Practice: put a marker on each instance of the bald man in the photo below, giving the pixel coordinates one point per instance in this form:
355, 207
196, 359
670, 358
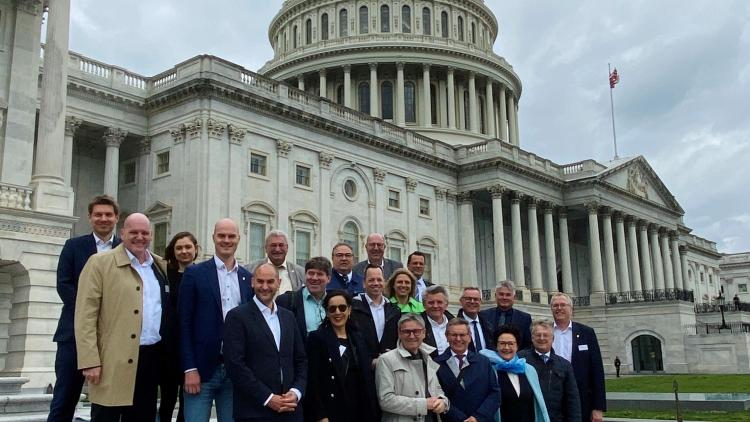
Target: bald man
375, 247
120, 315
209, 290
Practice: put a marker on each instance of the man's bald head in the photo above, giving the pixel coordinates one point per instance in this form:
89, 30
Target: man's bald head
226, 224
226, 238
136, 235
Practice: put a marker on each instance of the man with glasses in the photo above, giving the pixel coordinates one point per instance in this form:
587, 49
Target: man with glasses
556, 375
375, 246
480, 329
342, 276
307, 303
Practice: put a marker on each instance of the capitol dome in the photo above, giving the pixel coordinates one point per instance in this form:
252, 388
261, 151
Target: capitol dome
424, 65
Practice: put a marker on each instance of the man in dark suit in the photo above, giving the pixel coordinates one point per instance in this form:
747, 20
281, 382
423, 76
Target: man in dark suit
375, 246
504, 313
103, 216
376, 317
416, 264
556, 376
208, 292
436, 317
481, 335
467, 378
265, 355
342, 276
307, 303
578, 344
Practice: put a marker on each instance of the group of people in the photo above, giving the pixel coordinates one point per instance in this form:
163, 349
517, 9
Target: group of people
331, 341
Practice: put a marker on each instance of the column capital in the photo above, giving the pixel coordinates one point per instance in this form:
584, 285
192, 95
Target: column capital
606, 212
516, 197
400, 66
618, 216
683, 250
562, 212
497, 191
673, 235
592, 207
464, 197
114, 136
144, 145
193, 128
326, 158
379, 175
33, 7
451, 196
411, 184
300, 78
283, 147
440, 194
347, 67
451, 69
373, 66
322, 71
653, 229
236, 134
643, 224
472, 75
71, 125
532, 201
426, 67
548, 207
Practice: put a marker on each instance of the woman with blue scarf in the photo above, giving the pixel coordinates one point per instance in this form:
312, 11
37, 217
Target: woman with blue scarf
520, 394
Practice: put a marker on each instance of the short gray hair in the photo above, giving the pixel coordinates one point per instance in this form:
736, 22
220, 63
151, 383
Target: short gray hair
542, 322
410, 317
506, 284
562, 295
435, 289
277, 233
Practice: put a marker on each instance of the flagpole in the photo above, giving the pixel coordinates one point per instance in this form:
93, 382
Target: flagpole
612, 109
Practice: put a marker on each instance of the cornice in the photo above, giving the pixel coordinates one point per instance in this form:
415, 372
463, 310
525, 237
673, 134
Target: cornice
90, 94
504, 163
598, 184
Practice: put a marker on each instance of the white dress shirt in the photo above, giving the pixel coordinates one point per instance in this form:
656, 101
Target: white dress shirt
229, 286
151, 321
103, 245
515, 382
378, 314
438, 330
563, 342
471, 322
421, 287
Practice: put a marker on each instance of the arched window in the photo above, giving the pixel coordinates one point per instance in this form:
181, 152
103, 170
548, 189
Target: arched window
473, 33
340, 94
460, 28
343, 23
426, 21
444, 24
410, 105
406, 20
467, 114
350, 236
294, 37
363, 19
386, 97
324, 26
308, 31
385, 19
433, 104
364, 97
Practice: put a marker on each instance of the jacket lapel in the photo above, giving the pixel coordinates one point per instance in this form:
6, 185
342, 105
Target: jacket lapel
213, 281
260, 321
243, 279
332, 344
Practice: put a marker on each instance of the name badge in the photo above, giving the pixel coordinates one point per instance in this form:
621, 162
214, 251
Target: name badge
582, 347
166, 288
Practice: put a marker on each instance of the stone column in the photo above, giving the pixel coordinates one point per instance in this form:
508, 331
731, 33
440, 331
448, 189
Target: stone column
490, 108
609, 251
648, 275
347, 86
426, 100
503, 114
498, 231
534, 253
381, 201
323, 84
468, 248
283, 148
400, 105
597, 276
71, 125
549, 242
515, 119
622, 253
51, 194
412, 211
666, 260
517, 238
374, 109
301, 82
474, 120
327, 241
567, 273
451, 99
144, 176
113, 138
676, 266
653, 232
453, 238
686, 278
635, 263
512, 119
444, 257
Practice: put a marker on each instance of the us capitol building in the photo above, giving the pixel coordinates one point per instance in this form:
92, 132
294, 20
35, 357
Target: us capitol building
391, 116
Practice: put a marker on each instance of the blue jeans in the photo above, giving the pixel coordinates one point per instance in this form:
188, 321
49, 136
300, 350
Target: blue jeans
216, 390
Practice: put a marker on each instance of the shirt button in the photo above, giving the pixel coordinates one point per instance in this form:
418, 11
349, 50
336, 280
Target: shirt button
130, 360
135, 311
332, 377
138, 288
132, 336
332, 395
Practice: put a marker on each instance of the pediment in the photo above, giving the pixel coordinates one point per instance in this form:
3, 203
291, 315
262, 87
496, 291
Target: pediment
636, 177
158, 208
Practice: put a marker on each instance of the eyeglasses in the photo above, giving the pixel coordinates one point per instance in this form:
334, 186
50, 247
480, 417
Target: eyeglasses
506, 343
471, 299
560, 305
341, 308
415, 332
343, 255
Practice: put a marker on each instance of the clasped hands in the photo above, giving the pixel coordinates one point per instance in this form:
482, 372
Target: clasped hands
286, 402
435, 405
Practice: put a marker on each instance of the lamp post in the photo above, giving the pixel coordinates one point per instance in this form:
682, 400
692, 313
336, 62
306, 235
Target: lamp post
724, 325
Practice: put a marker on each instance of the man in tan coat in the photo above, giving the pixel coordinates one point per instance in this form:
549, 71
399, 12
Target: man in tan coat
120, 311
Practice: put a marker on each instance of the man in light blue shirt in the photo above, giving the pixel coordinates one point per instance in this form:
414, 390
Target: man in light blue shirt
306, 304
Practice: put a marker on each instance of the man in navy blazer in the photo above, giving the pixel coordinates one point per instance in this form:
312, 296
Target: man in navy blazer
505, 313
209, 290
103, 216
467, 378
265, 355
481, 336
578, 344
342, 276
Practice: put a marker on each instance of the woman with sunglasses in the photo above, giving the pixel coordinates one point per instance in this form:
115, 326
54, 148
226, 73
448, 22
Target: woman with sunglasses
521, 398
341, 385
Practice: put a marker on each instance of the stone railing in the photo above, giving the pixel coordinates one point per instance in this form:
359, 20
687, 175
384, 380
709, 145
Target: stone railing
717, 328
707, 308
581, 168
16, 197
700, 242
658, 295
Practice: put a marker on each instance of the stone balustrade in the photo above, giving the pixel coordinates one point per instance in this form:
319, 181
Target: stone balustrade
16, 197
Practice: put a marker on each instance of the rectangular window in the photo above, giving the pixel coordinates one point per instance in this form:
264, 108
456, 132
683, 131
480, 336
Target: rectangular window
394, 199
302, 247
394, 253
424, 207
742, 288
162, 163
303, 175
257, 239
128, 173
160, 238
427, 266
258, 164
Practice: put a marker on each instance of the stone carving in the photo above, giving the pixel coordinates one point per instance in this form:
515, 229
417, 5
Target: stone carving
379, 175
411, 184
592, 207
215, 128
463, 197
440, 193
71, 125
283, 147
33, 7
236, 134
114, 136
178, 134
451, 196
193, 128
637, 182
326, 158
35, 229
516, 197
496, 191
145, 145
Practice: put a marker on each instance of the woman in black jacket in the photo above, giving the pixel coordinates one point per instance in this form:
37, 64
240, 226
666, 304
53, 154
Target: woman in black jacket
341, 383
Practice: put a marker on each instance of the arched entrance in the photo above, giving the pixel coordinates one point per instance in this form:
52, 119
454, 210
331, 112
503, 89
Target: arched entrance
647, 355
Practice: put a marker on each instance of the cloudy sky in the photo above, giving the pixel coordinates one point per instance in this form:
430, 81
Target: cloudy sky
683, 101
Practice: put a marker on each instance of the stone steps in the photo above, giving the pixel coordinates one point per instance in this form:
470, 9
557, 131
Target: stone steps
11, 385
28, 417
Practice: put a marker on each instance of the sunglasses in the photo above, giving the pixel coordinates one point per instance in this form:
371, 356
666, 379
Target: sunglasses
341, 308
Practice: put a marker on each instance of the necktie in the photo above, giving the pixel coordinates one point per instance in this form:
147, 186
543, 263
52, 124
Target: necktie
477, 339
501, 320
460, 361
545, 358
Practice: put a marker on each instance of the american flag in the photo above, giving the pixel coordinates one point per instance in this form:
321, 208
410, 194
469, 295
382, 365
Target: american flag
614, 78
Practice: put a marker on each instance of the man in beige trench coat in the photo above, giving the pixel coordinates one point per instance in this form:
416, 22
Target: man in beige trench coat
118, 326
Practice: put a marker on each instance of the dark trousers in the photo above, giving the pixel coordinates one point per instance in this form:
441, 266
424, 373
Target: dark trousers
169, 394
617, 368
144, 397
68, 383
